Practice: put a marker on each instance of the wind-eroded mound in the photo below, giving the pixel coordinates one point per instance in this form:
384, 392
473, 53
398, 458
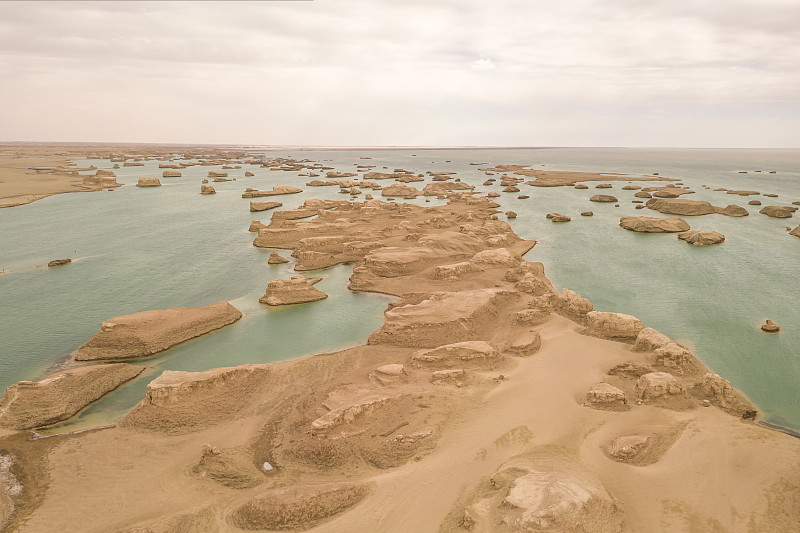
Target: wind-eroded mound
297, 508
149, 332
543, 492
179, 402
232, 468
442, 317
59, 396
778, 211
702, 237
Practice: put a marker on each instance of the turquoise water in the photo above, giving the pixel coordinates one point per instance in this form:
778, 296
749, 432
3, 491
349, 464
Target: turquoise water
158, 248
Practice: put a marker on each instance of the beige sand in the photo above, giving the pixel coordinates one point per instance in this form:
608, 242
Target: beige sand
464, 412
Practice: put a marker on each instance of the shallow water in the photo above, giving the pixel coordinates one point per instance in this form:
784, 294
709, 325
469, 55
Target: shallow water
158, 248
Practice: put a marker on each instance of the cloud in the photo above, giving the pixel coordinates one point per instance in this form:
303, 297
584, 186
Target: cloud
576, 72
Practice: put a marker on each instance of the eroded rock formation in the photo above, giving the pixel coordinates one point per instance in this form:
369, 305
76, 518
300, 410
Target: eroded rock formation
149, 332
59, 396
296, 290
654, 225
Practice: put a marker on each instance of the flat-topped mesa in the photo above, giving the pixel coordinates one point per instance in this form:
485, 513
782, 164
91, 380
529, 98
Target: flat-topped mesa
148, 181
170, 174
208, 189
682, 207
181, 402
102, 179
277, 190
59, 396
149, 332
296, 290
657, 384
654, 225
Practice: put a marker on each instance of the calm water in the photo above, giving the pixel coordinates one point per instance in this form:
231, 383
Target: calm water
158, 248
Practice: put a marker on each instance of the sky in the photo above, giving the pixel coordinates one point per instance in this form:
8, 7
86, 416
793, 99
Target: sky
655, 73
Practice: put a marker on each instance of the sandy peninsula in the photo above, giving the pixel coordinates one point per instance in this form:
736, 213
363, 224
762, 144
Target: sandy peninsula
487, 401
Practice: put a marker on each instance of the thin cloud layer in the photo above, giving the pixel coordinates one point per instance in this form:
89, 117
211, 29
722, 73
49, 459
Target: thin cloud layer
380, 72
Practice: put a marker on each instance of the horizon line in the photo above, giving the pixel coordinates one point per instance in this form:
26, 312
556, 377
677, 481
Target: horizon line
320, 147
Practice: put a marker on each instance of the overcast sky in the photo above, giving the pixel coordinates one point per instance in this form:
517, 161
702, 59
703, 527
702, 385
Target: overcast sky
694, 73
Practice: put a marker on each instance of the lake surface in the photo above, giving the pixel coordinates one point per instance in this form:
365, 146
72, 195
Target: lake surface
136, 249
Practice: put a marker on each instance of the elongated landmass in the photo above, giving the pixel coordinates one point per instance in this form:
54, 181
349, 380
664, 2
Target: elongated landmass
487, 401
561, 178
59, 396
693, 208
654, 225
149, 332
